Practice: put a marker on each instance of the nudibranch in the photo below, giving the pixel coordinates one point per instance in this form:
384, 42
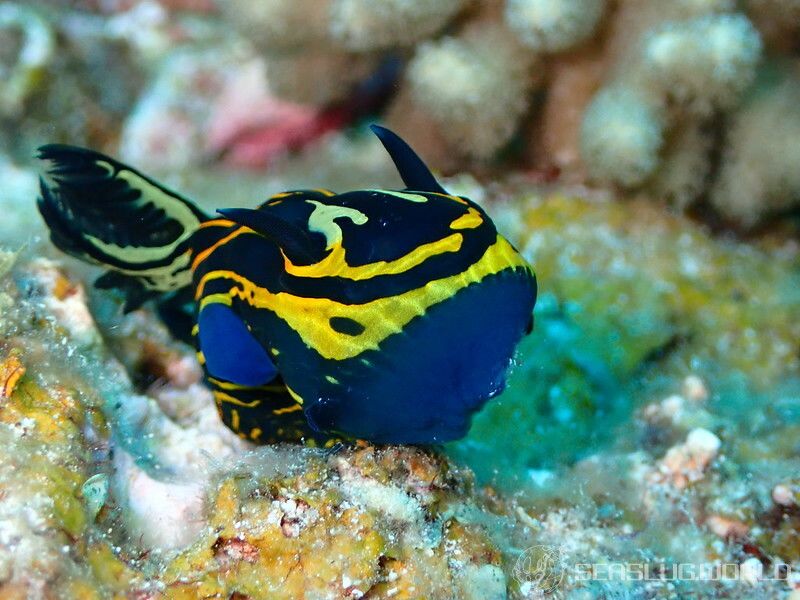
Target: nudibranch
389, 316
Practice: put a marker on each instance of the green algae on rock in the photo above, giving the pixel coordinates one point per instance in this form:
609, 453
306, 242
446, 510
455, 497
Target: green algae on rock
44, 462
632, 299
279, 522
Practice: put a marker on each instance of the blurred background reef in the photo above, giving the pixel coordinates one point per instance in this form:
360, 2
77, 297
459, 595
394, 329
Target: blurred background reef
644, 155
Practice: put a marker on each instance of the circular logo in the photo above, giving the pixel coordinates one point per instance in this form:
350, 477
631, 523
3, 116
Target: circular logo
540, 567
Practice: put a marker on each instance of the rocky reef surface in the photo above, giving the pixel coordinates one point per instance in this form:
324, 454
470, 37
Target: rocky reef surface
112, 493
652, 419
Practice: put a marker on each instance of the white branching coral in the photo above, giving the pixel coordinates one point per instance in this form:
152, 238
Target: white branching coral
621, 136
760, 172
685, 165
553, 25
474, 86
682, 64
706, 62
279, 24
368, 25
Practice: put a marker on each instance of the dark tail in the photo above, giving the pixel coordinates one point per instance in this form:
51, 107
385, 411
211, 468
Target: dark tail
107, 213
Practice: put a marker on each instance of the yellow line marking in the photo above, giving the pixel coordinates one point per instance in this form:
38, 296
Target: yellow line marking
226, 385
335, 263
220, 298
310, 317
294, 395
217, 223
450, 197
205, 253
470, 220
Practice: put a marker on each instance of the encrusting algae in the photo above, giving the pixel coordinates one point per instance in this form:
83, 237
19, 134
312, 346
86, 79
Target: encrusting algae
44, 463
674, 301
368, 523
279, 522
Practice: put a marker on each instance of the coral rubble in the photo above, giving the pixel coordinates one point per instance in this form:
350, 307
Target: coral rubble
362, 524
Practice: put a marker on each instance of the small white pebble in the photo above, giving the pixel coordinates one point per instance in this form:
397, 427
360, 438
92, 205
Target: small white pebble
695, 389
782, 495
672, 406
751, 571
702, 442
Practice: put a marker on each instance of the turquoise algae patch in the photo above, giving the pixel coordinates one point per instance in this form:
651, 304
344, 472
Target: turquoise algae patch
632, 301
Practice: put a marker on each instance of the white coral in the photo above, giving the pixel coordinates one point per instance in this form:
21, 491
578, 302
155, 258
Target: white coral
686, 164
368, 25
279, 24
705, 62
553, 25
162, 514
760, 173
621, 136
474, 86
166, 128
